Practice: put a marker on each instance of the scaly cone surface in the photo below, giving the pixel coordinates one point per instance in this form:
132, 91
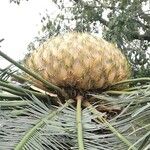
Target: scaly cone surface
79, 60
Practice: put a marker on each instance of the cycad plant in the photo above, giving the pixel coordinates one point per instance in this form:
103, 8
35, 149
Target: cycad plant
73, 92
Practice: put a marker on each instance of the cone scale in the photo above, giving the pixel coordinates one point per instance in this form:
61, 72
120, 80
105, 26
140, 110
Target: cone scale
78, 60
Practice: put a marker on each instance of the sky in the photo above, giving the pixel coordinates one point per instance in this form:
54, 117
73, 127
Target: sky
19, 24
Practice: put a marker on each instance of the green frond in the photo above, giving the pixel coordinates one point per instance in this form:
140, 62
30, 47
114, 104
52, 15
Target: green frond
31, 120
30, 127
60, 132
33, 74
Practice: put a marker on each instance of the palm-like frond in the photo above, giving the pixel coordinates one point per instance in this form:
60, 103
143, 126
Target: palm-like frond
40, 127
28, 121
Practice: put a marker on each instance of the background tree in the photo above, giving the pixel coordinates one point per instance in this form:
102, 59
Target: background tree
29, 118
125, 22
16, 1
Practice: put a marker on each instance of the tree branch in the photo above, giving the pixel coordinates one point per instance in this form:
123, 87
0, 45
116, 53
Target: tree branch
141, 36
1, 40
103, 21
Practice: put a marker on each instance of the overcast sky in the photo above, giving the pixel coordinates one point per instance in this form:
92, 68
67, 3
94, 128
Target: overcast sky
19, 24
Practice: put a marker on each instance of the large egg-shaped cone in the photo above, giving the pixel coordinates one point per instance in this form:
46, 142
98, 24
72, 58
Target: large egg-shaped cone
78, 60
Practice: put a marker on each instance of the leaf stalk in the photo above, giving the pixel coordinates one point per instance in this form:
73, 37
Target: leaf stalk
79, 123
40, 124
33, 74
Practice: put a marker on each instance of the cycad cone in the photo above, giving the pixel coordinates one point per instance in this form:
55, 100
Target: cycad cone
78, 60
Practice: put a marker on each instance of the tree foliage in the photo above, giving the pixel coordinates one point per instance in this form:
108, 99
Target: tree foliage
34, 119
125, 22
16, 1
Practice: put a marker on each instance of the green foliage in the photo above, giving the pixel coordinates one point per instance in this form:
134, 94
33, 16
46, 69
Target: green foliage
123, 22
31, 120
16, 1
